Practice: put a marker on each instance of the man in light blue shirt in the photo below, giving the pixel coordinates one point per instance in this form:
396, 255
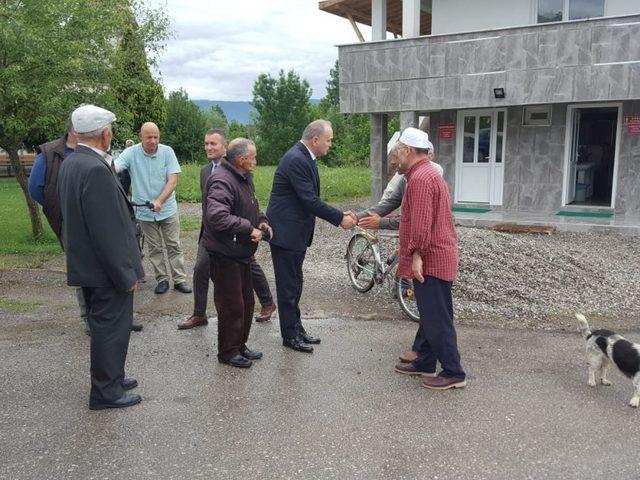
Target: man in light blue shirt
154, 170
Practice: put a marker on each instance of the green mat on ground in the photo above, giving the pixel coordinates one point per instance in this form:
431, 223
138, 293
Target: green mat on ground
564, 213
471, 210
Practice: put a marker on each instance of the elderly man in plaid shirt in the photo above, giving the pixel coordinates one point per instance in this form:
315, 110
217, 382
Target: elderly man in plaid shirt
429, 256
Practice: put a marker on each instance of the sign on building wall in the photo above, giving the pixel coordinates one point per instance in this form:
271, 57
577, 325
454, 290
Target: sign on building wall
446, 131
632, 124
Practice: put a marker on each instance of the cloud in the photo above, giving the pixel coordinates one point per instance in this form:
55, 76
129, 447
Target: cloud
220, 48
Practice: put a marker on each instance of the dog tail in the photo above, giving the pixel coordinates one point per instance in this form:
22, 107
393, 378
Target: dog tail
583, 326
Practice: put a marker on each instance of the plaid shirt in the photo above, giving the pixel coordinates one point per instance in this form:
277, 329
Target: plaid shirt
427, 225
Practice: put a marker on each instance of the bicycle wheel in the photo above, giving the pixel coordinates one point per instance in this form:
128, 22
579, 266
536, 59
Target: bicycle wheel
360, 263
407, 298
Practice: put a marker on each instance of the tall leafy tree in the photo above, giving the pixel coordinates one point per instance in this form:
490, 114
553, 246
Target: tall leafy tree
136, 96
55, 54
215, 118
185, 127
282, 106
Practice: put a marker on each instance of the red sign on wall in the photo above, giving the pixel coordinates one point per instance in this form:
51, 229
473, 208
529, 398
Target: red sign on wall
632, 123
446, 131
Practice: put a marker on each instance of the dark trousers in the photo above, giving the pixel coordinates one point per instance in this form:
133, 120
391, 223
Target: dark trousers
202, 274
233, 297
287, 266
436, 340
110, 315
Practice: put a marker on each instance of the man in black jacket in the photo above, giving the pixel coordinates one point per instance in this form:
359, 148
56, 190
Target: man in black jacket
98, 233
293, 207
233, 226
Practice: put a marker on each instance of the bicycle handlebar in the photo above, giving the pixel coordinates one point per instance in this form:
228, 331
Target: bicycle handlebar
147, 204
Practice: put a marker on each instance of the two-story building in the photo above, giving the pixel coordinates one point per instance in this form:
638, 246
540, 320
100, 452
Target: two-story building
532, 105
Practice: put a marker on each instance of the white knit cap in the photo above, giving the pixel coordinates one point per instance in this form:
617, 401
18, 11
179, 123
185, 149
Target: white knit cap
89, 118
414, 137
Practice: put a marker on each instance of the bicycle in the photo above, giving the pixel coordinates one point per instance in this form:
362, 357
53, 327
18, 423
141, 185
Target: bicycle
367, 268
139, 232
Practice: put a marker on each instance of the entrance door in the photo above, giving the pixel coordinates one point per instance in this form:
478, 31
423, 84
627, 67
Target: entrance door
480, 153
590, 173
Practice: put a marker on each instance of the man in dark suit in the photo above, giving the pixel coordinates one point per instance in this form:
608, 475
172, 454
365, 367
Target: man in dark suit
215, 147
293, 207
99, 237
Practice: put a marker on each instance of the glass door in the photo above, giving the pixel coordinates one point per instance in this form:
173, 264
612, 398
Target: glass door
481, 141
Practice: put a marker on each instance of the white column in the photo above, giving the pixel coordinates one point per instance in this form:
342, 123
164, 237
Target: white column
410, 18
379, 20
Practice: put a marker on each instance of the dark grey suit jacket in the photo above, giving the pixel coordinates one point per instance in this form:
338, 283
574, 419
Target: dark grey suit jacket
295, 201
98, 229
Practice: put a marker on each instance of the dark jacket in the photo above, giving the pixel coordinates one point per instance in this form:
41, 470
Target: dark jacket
295, 202
98, 228
205, 173
54, 153
231, 214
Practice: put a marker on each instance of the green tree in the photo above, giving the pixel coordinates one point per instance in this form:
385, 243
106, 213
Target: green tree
283, 110
215, 117
55, 54
185, 127
136, 96
235, 129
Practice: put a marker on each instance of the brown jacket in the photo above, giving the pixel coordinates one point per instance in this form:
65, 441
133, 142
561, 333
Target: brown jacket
231, 212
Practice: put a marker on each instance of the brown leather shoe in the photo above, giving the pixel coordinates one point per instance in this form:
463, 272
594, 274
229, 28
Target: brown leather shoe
266, 312
409, 369
408, 357
444, 383
193, 321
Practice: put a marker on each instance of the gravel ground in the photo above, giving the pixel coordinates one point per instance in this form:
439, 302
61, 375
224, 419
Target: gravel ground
532, 281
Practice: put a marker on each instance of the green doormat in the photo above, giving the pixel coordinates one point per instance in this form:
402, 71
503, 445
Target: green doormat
471, 210
564, 213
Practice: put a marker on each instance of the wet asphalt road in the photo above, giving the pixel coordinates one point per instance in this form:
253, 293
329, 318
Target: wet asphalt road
341, 412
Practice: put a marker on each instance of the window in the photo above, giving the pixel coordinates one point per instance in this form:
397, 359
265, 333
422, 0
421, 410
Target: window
550, 10
558, 10
538, 115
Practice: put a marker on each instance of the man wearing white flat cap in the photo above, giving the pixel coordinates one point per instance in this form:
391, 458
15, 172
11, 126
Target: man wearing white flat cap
429, 257
98, 232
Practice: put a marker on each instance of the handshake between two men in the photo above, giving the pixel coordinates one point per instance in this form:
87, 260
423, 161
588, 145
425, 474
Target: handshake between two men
368, 220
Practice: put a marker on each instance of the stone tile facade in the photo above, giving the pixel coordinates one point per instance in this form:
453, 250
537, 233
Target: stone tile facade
586, 60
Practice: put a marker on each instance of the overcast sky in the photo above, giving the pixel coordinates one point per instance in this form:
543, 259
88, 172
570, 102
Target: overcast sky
220, 47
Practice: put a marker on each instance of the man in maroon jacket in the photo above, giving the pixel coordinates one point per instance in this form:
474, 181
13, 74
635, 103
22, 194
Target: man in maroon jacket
233, 226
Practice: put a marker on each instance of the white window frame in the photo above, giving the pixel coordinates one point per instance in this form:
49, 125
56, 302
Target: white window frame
565, 11
527, 109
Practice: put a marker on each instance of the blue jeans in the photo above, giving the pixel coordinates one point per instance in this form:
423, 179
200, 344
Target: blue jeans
436, 340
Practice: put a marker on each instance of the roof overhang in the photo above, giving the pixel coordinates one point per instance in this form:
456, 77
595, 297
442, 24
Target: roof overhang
360, 12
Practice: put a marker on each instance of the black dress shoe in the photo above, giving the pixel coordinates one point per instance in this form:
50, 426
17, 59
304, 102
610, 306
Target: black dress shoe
237, 361
296, 344
136, 327
309, 339
125, 400
183, 287
129, 383
252, 354
162, 287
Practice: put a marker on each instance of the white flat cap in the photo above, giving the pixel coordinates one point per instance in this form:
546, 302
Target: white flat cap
89, 118
414, 137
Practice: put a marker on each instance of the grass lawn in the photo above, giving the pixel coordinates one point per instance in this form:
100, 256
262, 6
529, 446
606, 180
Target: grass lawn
338, 185
15, 227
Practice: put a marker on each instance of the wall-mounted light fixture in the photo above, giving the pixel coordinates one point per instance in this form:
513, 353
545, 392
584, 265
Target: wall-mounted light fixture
498, 92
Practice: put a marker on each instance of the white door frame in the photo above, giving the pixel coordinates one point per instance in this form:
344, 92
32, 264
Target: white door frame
567, 151
493, 142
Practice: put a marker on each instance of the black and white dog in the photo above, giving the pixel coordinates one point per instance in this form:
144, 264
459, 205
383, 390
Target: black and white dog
605, 346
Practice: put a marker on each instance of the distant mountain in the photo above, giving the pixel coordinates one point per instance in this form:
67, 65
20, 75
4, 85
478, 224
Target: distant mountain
238, 111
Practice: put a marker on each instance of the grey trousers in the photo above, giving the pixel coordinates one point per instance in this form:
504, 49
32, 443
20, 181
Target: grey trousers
202, 273
160, 236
